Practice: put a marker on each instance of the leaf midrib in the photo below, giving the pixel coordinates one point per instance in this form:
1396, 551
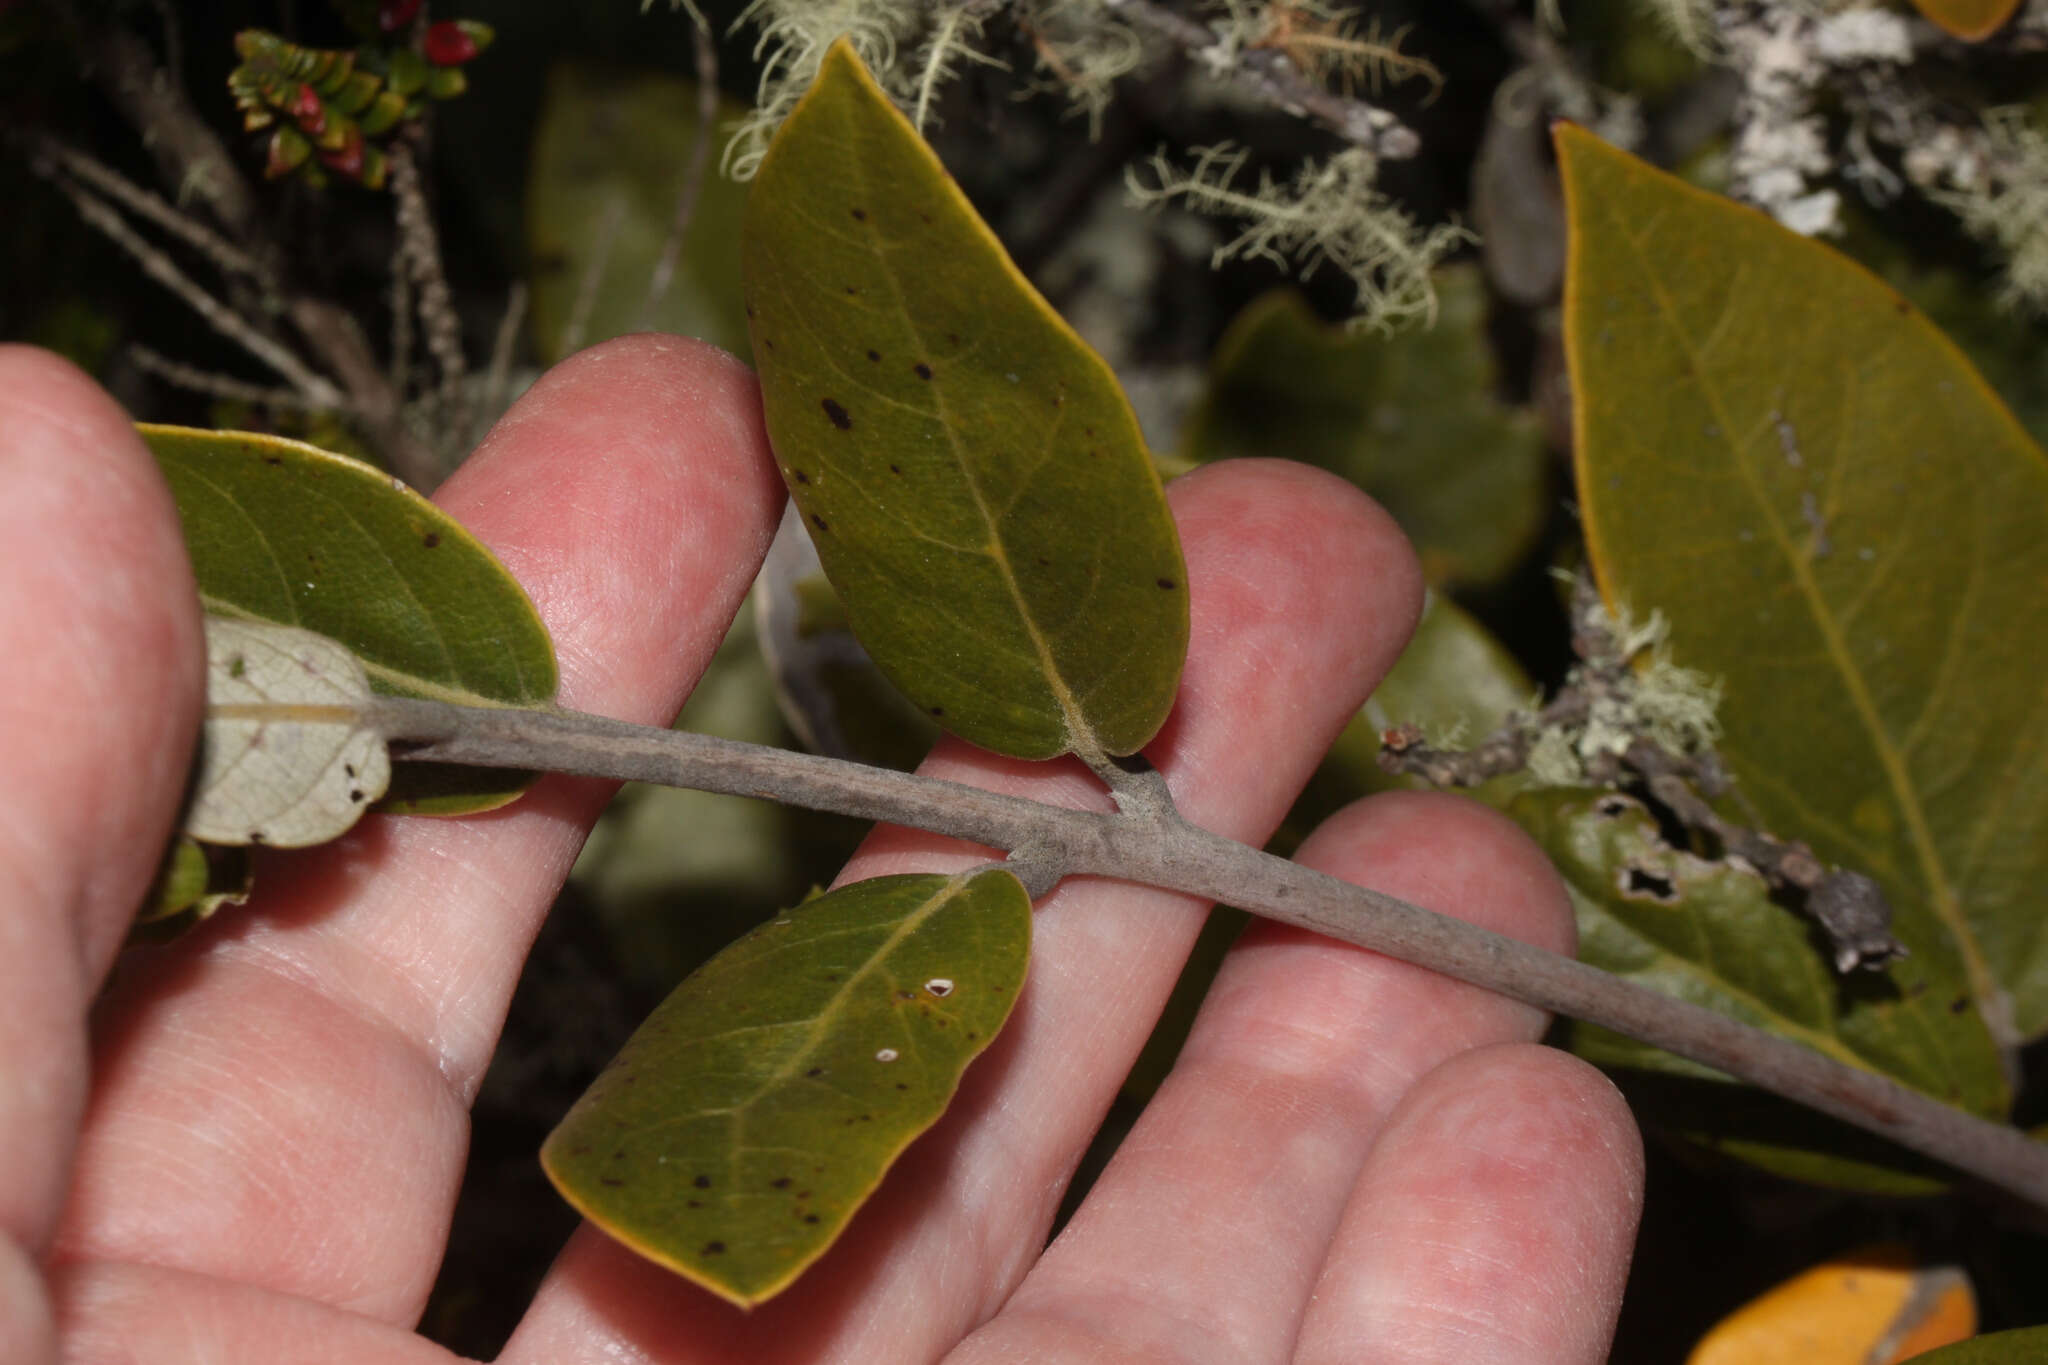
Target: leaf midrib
1080, 734
1983, 986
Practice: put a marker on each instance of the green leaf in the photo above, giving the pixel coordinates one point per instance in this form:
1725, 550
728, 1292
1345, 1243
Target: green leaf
1843, 525
608, 162
1708, 932
736, 1133
194, 881
975, 482
1412, 419
285, 758
287, 533
2022, 1346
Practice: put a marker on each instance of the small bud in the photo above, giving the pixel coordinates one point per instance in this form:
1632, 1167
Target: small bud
449, 44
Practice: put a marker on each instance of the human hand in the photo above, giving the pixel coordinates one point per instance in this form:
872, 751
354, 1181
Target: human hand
1354, 1159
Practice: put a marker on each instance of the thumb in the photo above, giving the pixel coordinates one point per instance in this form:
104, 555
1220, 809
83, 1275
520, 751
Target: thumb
101, 640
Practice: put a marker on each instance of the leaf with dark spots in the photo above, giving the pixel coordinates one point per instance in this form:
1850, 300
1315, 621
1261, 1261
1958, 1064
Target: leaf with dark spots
967, 469
731, 1110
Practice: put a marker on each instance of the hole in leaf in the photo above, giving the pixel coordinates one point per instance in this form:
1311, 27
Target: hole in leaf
1641, 884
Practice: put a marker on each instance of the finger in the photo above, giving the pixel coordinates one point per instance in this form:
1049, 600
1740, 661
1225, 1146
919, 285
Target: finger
1302, 593
101, 635
1203, 1238
284, 1093
1492, 1222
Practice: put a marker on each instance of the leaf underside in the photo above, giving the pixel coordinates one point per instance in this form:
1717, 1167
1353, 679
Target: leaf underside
974, 480
283, 532
740, 1128
285, 759
1841, 523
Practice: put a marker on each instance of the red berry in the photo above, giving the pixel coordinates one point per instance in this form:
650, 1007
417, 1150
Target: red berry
393, 15
448, 45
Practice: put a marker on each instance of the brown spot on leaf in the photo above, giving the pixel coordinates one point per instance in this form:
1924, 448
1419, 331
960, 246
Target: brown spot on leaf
860, 215
924, 371
1167, 583
810, 1218
780, 1182
800, 476
431, 539
702, 1182
613, 1181
714, 1248
819, 522
837, 414
815, 1071
874, 355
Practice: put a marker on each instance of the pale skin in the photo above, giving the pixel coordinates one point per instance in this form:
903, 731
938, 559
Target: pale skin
246, 1146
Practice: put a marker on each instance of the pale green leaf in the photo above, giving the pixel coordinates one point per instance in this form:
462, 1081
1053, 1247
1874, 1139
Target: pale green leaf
972, 476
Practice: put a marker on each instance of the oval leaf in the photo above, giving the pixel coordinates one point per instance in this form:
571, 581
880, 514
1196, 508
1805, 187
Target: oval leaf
975, 482
284, 758
736, 1133
1709, 932
1412, 419
287, 533
1845, 527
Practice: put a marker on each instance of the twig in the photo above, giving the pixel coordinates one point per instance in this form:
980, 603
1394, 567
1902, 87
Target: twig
1168, 853
152, 206
1270, 76
585, 302
705, 47
498, 378
311, 388
190, 156
1850, 908
217, 385
419, 255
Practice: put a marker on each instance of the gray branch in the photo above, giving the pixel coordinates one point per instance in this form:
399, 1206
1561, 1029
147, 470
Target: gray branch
1163, 851
1271, 78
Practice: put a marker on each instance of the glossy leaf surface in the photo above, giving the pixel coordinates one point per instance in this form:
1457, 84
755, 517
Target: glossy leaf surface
608, 162
287, 533
973, 478
736, 1133
1709, 933
285, 759
1412, 419
1845, 527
